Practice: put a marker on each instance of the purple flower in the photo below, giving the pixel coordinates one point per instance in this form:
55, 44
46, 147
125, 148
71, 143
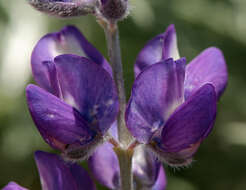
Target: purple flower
78, 102
64, 8
67, 41
57, 174
173, 106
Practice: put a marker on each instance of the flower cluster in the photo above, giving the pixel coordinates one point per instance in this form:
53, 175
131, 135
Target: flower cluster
171, 110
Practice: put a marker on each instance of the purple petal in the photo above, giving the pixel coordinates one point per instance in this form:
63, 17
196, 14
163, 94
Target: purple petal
64, 8
105, 166
52, 74
170, 47
145, 166
13, 186
58, 123
56, 174
208, 67
188, 126
161, 181
192, 121
161, 47
104, 2
68, 40
89, 88
156, 93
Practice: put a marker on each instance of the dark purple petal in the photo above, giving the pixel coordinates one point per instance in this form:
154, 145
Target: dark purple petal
68, 40
64, 8
156, 93
52, 74
105, 166
145, 166
188, 126
104, 2
159, 48
161, 181
13, 186
89, 88
58, 123
56, 174
208, 67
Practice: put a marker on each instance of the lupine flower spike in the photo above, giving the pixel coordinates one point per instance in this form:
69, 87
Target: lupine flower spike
79, 102
171, 111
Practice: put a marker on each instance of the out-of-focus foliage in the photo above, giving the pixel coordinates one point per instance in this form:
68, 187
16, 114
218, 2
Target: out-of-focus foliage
221, 160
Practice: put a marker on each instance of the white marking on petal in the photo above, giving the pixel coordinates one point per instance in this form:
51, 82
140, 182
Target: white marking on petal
155, 126
109, 102
94, 110
68, 98
51, 116
174, 52
69, 45
172, 108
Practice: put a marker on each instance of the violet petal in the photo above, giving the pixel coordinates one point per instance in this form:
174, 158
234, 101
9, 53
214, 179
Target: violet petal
13, 186
161, 181
161, 47
145, 166
105, 166
208, 67
57, 174
191, 122
68, 40
156, 93
52, 76
89, 88
58, 123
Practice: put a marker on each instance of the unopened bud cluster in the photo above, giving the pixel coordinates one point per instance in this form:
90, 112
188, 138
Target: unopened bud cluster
114, 9
111, 10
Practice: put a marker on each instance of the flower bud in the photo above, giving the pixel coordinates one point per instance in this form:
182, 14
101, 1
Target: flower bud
64, 8
114, 9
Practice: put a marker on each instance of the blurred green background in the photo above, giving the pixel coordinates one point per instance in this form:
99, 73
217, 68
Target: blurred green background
221, 160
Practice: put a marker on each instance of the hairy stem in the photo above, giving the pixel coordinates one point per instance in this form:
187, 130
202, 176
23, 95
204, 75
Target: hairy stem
114, 51
124, 154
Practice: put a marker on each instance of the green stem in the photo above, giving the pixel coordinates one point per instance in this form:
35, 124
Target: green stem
125, 162
114, 51
124, 154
